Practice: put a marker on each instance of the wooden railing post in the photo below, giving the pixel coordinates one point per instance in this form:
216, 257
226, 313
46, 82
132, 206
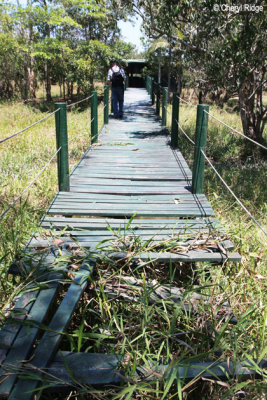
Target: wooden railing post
175, 120
152, 93
62, 144
164, 105
200, 143
157, 98
94, 124
106, 104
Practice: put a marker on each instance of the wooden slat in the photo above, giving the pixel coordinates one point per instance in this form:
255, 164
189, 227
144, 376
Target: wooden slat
49, 343
129, 213
101, 369
25, 339
144, 224
124, 182
12, 326
167, 197
213, 254
22, 308
128, 191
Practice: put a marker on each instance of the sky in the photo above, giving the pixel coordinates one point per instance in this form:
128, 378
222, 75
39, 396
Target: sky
132, 34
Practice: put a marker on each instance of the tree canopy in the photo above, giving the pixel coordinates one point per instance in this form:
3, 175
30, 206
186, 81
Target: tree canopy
223, 46
69, 42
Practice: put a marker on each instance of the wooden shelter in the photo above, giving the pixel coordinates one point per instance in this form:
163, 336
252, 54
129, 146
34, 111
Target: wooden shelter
134, 71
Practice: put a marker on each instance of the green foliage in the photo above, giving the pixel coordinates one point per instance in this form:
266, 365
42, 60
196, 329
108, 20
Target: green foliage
223, 50
143, 332
70, 42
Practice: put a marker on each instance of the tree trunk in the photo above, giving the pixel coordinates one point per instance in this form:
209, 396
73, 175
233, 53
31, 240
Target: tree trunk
169, 74
47, 65
30, 68
180, 81
26, 81
64, 91
159, 68
200, 95
252, 112
48, 82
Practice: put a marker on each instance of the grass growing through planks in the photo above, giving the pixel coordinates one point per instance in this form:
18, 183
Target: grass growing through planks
147, 333
126, 312
22, 158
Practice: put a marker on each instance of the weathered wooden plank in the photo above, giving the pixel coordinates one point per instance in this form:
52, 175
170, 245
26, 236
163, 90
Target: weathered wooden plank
101, 176
86, 368
128, 200
172, 240
133, 163
166, 197
132, 168
12, 326
25, 339
131, 199
99, 369
123, 182
127, 191
49, 343
144, 224
130, 206
23, 306
129, 288
129, 213
156, 233
190, 256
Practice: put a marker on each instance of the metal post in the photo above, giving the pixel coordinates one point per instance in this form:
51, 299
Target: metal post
157, 98
200, 143
147, 83
152, 91
62, 144
94, 125
164, 105
106, 104
127, 82
175, 120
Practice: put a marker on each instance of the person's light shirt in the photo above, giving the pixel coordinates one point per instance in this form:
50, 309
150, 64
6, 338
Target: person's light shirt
116, 69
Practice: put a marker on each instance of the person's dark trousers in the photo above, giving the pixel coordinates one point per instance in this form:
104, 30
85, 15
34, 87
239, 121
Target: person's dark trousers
117, 100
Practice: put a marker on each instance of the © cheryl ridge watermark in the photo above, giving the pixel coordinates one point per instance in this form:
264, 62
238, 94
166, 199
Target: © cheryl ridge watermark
238, 8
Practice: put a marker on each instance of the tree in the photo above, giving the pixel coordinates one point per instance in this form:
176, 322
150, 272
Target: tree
70, 42
224, 49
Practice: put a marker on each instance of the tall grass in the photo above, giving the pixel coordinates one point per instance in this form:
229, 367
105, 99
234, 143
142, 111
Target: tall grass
143, 332
22, 157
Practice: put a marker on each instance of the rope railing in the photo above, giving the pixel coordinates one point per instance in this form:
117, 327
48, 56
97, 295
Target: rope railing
236, 131
30, 184
233, 194
62, 141
199, 143
184, 101
28, 127
180, 127
80, 101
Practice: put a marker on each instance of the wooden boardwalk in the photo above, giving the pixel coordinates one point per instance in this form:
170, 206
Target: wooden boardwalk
132, 170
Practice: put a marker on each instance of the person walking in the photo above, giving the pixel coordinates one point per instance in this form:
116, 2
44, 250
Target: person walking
116, 79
